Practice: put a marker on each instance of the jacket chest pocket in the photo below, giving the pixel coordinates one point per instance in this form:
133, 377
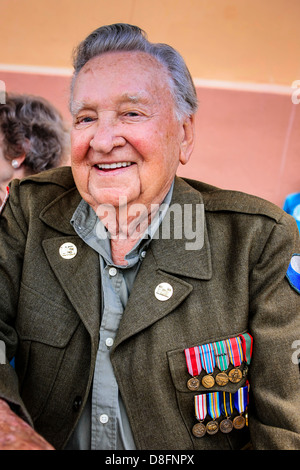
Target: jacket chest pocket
212, 392
44, 331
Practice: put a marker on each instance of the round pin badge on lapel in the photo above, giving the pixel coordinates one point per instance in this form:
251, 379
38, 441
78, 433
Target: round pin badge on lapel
68, 250
163, 291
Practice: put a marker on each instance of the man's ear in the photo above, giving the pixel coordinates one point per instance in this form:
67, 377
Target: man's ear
187, 143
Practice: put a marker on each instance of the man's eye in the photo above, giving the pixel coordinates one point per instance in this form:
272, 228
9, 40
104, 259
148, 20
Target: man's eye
132, 114
80, 121
86, 119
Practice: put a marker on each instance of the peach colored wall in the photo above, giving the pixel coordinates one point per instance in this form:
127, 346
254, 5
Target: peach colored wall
248, 141
237, 40
247, 136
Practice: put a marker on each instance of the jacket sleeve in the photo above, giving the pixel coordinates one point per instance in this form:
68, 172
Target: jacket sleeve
274, 419
13, 229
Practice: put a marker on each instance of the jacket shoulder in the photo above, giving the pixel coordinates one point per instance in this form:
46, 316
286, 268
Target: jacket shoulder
216, 200
61, 176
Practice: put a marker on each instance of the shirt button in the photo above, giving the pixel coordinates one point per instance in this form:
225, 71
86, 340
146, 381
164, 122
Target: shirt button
103, 419
143, 254
112, 271
109, 342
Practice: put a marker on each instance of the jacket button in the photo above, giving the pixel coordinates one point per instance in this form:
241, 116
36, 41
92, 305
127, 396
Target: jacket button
77, 403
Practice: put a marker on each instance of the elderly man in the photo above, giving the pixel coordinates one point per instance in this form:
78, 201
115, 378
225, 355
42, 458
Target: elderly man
127, 332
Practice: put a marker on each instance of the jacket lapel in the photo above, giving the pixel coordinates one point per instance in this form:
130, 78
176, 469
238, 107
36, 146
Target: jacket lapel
167, 261
80, 275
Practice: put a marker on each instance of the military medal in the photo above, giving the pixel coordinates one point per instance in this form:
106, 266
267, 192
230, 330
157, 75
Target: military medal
235, 352
235, 375
199, 429
222, 362
214, 410
241, 398
193, 362
208, 363
226, 425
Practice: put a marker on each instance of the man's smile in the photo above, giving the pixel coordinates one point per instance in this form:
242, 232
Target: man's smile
108, 167
113, 166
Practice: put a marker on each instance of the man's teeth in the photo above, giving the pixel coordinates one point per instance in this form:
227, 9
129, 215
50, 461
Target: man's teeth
111, 166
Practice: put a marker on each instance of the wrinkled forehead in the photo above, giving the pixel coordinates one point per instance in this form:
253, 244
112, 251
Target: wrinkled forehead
126, 68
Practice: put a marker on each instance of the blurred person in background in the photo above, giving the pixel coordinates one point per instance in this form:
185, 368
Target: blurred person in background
33, 138
292, 206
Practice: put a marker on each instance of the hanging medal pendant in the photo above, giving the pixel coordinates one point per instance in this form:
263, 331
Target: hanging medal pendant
235, 375
239, 422
222, 379
192, 357
212, 427
241, 399
208, 364
226, 425
208, 381
199, 429
193, 384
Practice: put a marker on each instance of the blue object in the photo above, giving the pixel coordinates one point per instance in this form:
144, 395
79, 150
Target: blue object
292, 206
293, 272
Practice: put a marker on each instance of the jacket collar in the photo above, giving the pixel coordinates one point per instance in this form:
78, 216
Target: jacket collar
186, 252
59, 212
173, 252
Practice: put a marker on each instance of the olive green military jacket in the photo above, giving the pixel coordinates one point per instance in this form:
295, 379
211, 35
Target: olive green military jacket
236, 283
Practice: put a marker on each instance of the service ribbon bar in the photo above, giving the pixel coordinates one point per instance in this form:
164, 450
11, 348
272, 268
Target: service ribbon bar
207, 357
221, 355
247, 345
213, 405
193, 361
241, 398
200, 406
226, 403
235, 351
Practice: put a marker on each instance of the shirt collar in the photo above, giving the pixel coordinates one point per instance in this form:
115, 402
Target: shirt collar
92, 231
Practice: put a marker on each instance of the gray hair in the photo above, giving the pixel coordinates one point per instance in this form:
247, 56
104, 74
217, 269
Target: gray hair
125, 37
31, 125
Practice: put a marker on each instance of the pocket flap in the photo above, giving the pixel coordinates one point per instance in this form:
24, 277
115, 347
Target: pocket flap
40, 319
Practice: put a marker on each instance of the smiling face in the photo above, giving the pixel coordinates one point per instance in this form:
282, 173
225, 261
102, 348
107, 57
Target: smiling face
126, 139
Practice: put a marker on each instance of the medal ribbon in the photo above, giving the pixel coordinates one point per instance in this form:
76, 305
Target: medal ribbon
193, 362
247, 343
213, 405
235, 351
200, 406
207, 357
221, 355
226, 403
241, 398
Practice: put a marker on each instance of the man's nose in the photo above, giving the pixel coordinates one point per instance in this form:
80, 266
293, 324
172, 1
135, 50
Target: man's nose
107, 136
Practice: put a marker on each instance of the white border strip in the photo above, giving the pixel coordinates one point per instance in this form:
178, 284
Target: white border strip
243, 86
36, 69
199, 82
